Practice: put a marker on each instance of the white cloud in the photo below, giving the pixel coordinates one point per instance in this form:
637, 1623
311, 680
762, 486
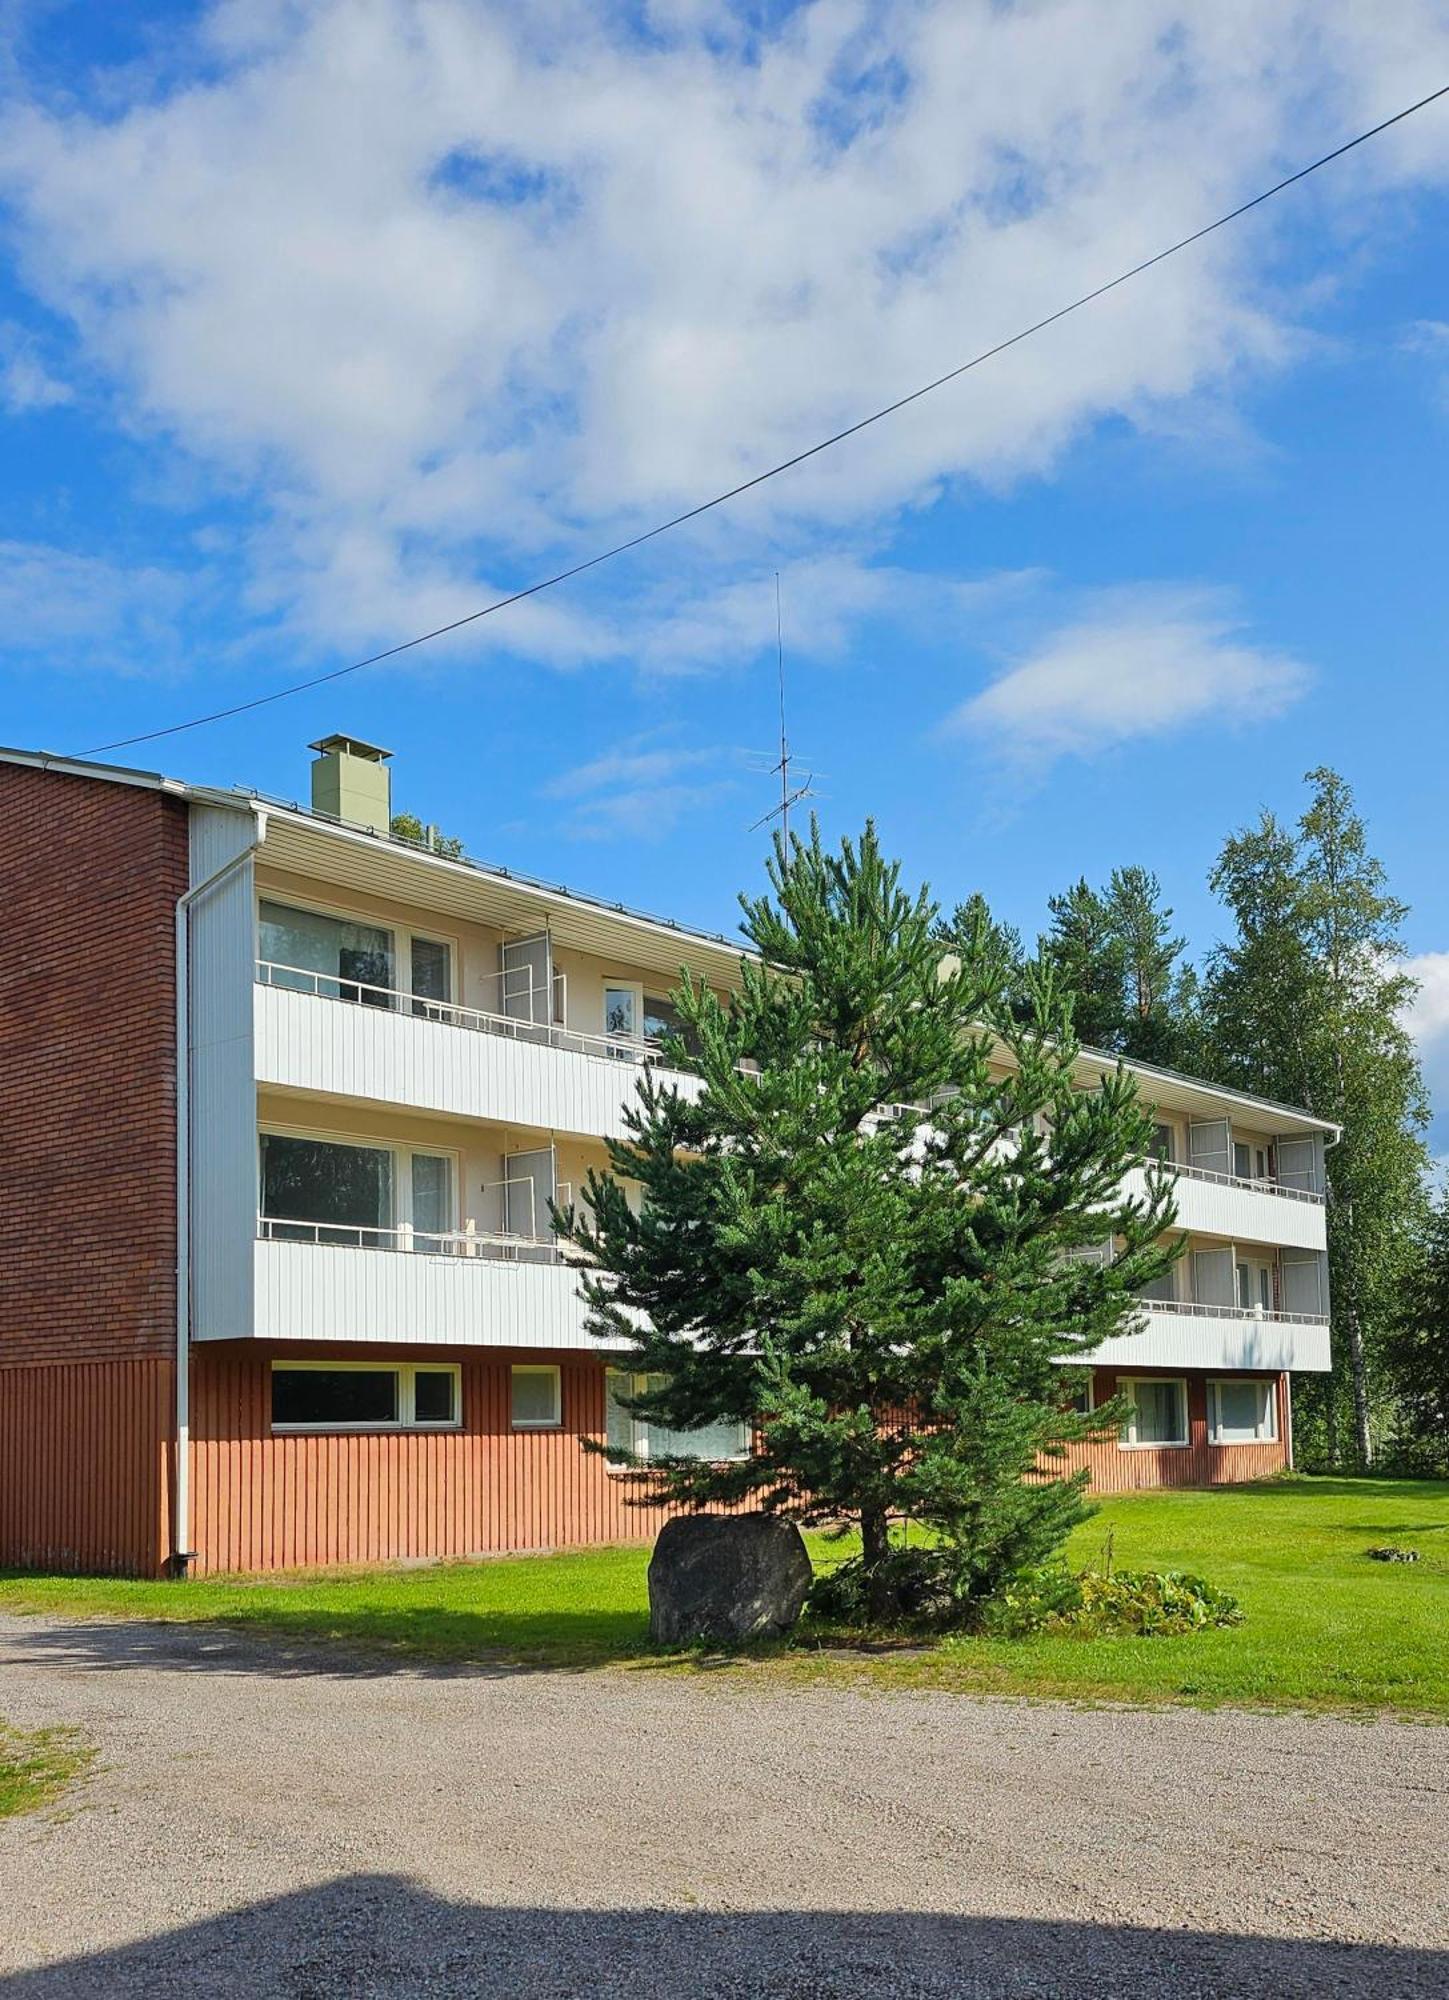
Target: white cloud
26, 383
461, 285
1134, 664
643, 787
59, 609
1427, 1020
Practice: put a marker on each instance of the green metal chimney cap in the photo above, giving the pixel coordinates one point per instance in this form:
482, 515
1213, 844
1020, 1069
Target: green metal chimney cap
352, 746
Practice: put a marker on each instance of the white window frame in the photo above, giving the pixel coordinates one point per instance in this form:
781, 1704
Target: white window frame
622, 982
406, 1371
1269, 1388
402, 936
402, 1176
550, 1368
639, 1428
1129, 1441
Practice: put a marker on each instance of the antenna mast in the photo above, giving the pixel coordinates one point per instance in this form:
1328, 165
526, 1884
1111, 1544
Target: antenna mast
788, 798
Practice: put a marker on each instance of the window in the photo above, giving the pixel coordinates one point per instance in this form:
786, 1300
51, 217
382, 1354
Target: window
345, 960
1242, 1411
537, 1403
342, 1193
662, 1017
430, 967
1161, 1291
370, 1197
1255, 1287
1158, 1413
730, 1439
622, 1009
1160, 1145
364, 1396
1080, 1402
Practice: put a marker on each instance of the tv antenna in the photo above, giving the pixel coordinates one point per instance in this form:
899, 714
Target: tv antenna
788, 797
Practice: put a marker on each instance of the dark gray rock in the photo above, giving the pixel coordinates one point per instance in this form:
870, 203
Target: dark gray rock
725, 1579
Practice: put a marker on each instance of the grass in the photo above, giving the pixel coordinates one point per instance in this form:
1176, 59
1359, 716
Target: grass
1324, 1628
36, 1766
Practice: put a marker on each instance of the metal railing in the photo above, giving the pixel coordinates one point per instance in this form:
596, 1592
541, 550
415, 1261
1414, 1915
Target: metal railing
636, 1049
1189, 1172
491, 1245
1268, 1315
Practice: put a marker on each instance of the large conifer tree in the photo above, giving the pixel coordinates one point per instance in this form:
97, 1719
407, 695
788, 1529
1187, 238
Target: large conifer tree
884, 1298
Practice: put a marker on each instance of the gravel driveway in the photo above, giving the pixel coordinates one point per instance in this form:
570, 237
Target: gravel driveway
268, 1821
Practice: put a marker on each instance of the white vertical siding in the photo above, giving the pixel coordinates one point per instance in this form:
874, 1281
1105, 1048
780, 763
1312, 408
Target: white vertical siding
1204, 1340
1242, 1214
310, 1291
223, 1086
307, 1043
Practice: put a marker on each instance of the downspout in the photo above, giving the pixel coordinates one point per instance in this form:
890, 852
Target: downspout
182, 1553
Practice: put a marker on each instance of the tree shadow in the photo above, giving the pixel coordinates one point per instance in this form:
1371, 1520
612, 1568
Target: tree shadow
384, 1935
362, 1645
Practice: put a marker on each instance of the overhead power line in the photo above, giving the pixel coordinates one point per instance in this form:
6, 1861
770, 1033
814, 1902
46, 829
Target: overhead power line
785, 464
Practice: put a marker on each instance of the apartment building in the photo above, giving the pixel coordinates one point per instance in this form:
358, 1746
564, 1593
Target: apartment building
296, 1299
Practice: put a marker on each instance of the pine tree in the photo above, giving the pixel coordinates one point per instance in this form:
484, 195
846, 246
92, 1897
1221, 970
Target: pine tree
1157, 997
885, 1300
1305, 1005
1084, 949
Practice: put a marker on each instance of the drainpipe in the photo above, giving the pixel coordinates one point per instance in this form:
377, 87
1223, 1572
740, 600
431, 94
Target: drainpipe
182, 1554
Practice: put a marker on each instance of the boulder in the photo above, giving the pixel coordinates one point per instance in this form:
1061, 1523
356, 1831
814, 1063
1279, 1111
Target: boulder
726, 1579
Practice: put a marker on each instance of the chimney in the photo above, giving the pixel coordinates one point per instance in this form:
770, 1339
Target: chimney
351, 782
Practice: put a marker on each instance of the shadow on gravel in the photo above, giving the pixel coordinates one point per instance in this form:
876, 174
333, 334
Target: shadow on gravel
349, 1648
380, 1935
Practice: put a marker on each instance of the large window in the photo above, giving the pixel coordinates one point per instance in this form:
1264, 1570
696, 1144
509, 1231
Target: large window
1157, 1413
334, 1193
652, 1440
333, 956
1242, 1411
364, 1396
372, 1197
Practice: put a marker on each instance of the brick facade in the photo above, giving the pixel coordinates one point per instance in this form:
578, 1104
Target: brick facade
89, 876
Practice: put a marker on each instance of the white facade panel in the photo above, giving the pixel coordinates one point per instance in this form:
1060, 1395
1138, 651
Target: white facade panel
1243, 1213
306, 1042
308, 1291
1212, 1340
223, 1088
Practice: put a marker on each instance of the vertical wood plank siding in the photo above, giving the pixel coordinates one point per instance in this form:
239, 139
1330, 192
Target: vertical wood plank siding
85, 1452
1197, 1463
278, 1502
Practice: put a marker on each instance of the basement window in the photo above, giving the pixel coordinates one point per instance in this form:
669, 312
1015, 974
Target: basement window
536, 1397
1242, 1411
364, 1396
1158, 1411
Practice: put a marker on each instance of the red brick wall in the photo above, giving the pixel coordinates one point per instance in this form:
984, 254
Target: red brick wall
89, 876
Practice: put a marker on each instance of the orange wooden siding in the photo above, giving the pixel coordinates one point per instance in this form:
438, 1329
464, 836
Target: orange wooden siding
277, 1502
85, 1451
1197, 1463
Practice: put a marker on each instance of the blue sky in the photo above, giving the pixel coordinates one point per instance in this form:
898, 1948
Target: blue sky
320, 324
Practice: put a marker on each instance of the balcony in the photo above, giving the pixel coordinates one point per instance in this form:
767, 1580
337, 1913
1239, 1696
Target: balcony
1246, 1211
458, 1291
1181, 1333
344, 1038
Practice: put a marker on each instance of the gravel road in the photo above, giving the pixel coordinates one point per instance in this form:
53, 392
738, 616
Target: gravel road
271, 1821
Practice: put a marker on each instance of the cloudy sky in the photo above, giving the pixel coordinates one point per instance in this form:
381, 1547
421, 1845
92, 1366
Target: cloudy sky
320, 324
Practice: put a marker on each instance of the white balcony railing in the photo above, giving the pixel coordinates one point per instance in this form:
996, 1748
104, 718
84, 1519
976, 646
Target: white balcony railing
1186, 1171
1193, 1308
495, 1245
636, 1049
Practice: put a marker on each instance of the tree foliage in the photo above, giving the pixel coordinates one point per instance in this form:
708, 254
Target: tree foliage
407, 826
884, 1301
1416, 1352
1305, 1004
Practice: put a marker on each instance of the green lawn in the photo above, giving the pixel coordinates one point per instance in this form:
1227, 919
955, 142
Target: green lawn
36, 1765
1324, 1626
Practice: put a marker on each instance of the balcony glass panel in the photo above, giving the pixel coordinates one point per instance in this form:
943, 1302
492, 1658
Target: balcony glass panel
350, 957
